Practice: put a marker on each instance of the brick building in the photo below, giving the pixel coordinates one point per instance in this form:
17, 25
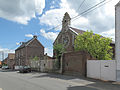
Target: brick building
27, 51
11, 60
68, 34
72, 62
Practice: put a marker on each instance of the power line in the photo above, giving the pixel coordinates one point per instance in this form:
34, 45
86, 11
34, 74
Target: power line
84, 12
91, 10
80, 5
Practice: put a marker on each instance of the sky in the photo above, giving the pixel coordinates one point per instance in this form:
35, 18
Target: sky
21, 19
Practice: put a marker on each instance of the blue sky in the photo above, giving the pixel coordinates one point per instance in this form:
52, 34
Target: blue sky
22, 19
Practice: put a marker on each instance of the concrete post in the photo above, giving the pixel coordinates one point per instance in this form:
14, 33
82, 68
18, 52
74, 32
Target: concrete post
117, 39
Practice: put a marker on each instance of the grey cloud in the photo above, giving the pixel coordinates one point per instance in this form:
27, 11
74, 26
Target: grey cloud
96, 23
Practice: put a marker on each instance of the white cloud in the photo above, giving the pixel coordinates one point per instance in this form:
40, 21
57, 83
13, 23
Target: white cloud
99, 20
17, 43
54, 17
48, 35
109, 33
21, 11
49, 51
28, 35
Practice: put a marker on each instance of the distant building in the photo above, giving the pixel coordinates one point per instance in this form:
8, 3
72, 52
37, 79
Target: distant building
27, 51
0, 62
68, 34
4, 62
11, 60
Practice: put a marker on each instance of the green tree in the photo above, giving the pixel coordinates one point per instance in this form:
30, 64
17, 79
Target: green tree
96, 45
58, 49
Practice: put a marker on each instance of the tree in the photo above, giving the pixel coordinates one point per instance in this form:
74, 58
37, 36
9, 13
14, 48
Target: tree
58, 49
96, 45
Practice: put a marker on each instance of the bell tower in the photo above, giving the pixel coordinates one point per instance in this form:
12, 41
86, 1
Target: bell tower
66, 21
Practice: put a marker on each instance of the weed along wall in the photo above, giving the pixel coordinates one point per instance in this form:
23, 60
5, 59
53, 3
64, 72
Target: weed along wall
102, 69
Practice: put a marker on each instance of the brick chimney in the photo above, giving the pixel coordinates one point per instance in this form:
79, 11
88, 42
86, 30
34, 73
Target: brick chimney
35, 36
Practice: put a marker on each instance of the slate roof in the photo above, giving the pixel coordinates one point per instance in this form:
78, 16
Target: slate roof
24, 44
78, 31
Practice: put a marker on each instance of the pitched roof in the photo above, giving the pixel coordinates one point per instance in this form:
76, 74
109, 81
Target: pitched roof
26, 43
78, 31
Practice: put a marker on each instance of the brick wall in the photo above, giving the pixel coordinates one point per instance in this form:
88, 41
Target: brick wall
75, 63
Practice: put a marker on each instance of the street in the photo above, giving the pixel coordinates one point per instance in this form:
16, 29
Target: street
12, 80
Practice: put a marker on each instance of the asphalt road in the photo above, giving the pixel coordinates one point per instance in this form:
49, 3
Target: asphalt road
12, 80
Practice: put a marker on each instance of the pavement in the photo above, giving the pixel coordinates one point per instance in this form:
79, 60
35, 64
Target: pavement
12, 80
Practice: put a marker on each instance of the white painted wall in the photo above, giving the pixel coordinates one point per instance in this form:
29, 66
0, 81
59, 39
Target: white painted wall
108, 70
16, 67
102, 69
117, 34
93, 69
117, 38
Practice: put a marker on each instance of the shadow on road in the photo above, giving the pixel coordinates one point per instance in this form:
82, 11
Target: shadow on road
7, 70
51, 75
80, 88
95, 85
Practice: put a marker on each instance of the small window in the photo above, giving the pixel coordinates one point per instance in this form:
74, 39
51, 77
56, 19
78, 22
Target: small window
65, 21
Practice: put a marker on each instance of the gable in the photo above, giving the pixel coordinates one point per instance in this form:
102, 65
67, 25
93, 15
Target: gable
35, 43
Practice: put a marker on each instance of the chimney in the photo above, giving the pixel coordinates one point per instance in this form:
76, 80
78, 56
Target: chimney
35, 36
23, 42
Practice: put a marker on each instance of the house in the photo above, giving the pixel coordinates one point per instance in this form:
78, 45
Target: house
68, 34
117, 38
27, 51
11, 60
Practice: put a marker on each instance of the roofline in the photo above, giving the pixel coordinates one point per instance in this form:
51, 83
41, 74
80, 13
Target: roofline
118, 4
57, 37
32, 40
73, 31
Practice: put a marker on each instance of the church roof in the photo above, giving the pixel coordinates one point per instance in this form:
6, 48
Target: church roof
78, 31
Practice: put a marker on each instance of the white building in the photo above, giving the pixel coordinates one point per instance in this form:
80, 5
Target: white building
117, 38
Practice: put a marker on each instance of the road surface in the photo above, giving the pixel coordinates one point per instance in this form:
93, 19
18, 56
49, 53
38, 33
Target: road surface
12, 80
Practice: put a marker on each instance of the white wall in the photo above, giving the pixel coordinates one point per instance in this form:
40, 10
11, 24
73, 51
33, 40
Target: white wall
117, 39
117, 34
93, 69
101, 69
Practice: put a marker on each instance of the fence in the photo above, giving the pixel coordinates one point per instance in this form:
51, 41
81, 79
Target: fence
43, 65
102, 69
